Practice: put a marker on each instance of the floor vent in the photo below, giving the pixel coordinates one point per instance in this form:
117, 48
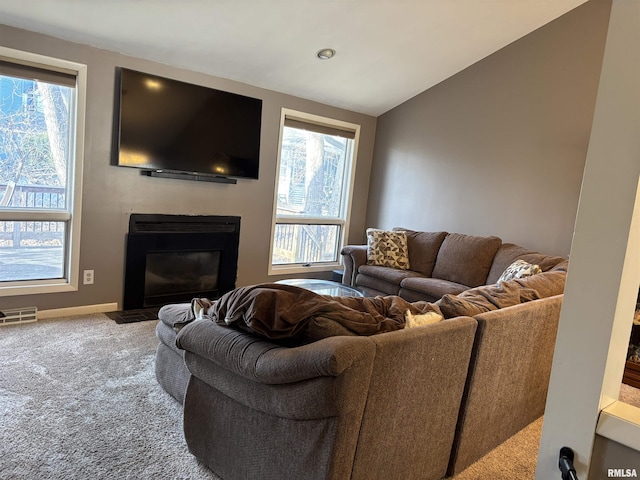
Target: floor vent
18, 315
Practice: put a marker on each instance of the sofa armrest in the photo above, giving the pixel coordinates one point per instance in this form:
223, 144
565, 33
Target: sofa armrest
353, 256
265, 362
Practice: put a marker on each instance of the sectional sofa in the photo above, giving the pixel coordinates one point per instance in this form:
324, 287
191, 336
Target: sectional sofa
438, 263
414, 403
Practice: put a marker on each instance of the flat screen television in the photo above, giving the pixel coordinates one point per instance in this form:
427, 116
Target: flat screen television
164, 125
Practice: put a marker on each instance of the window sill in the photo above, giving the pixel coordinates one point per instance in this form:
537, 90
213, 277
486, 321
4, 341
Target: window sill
35, 288
620, 422
296, 269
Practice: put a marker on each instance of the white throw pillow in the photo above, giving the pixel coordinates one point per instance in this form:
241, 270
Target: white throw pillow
519, 269
420, 319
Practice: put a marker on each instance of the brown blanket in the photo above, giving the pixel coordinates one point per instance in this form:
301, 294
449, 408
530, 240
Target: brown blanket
280, 311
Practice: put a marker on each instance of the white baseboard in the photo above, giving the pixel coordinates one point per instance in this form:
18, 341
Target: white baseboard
81, 310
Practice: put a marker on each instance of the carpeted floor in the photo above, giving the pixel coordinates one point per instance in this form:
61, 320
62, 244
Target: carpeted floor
522, 452
79, 399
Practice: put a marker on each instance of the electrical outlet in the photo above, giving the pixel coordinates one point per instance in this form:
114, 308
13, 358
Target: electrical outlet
88, 277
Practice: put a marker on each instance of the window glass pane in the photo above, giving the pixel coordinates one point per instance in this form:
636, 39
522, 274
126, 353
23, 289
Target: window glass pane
40, 159
311, 173
31, 250
305, 244
35, 123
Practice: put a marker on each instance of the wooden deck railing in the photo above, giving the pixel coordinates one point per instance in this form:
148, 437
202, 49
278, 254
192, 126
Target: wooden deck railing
302, 241
31, 233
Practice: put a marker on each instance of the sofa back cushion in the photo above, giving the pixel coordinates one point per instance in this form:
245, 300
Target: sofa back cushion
546, 262
546, 284
501, 295
423, 249
485, 298
509, 252
465, 259
505, 256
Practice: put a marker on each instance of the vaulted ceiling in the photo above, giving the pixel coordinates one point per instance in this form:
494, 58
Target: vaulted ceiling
387, 50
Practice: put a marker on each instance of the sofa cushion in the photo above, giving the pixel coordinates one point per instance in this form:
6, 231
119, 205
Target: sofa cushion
386, 274
429, 289
546, 262
466, 259
509, 252
563, 266
423, 249
546, 284
387, 249
484, 299
505, 256
519, 269
452, 306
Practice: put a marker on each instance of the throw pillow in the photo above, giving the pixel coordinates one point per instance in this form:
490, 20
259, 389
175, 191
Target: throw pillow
419, 319
387, 249
519, 269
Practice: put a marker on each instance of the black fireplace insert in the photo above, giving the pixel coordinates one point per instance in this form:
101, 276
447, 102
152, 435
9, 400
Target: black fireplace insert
175, 258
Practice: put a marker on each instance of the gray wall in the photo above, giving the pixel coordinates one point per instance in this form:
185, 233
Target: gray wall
498, 149
112, 193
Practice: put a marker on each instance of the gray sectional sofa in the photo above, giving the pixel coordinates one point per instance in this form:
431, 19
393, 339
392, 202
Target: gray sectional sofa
440, 263
414, 403
345, 407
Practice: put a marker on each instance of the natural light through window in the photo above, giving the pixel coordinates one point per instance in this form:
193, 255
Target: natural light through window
313, 192
39, 173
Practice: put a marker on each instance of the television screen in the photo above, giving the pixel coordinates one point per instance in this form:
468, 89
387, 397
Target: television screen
172, 126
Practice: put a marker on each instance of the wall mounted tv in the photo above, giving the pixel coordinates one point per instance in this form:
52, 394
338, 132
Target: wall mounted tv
180, 130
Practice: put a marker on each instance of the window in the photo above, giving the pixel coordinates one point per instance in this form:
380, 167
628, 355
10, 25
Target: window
41, 125
313, 192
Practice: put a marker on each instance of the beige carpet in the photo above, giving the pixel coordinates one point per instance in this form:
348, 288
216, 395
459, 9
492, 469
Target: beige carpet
79, 400
630, 395
522, 452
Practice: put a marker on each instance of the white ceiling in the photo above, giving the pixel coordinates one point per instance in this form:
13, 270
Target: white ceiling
387, 51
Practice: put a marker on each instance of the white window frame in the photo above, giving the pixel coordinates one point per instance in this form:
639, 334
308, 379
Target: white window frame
346, 203
74, 171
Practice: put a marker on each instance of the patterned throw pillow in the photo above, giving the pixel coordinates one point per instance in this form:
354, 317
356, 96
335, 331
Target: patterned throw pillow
519, 269
387, 249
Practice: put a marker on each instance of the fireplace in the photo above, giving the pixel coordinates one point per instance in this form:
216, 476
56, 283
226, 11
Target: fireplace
174, 258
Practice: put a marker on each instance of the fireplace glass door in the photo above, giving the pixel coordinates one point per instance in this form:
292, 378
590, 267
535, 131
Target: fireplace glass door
177, 273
